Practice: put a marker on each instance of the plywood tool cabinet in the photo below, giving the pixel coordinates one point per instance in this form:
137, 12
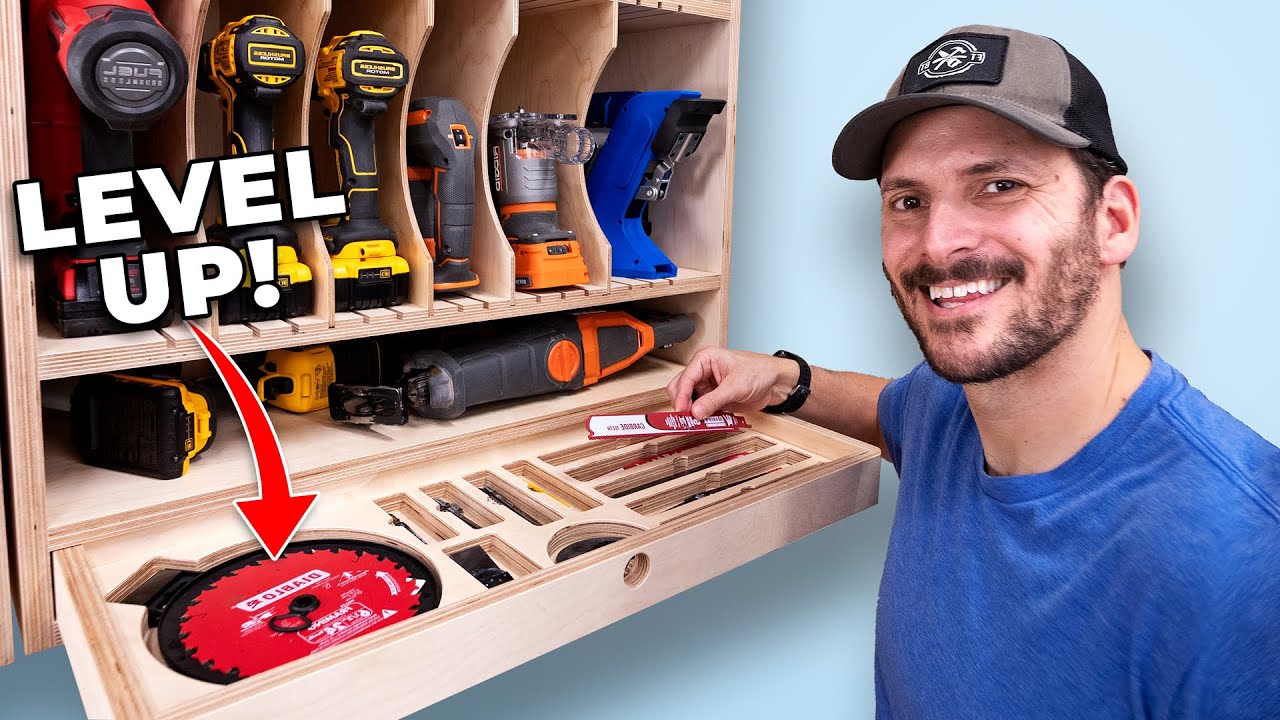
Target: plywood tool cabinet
82, 538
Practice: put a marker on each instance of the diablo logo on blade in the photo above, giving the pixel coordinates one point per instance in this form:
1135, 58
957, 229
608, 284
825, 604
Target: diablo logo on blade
283, 590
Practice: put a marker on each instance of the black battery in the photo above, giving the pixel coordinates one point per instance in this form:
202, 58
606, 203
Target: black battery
372, 288
146, 426
239, 307
75, 306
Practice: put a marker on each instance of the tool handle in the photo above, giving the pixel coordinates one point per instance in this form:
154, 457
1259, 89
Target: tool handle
351, 136
444, 201
251, 127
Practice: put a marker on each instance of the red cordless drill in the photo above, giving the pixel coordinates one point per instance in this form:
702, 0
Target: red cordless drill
96, 72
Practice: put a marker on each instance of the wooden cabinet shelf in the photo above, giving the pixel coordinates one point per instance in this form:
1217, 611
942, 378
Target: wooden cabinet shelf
61, 357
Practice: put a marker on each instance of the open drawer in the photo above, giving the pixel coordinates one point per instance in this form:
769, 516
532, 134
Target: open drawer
632, 521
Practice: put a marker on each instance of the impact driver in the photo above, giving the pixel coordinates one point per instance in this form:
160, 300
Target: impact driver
525, 148
96, 73
248, 64
442, 177
358, 74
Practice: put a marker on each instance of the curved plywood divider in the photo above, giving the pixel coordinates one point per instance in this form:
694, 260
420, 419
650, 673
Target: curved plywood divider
406, 23
464, 59
554, 67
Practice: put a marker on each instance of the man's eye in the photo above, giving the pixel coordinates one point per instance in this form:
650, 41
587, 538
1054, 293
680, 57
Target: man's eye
909, 202
999, 186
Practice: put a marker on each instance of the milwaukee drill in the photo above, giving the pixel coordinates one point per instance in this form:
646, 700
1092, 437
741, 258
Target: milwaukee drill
249, 64
96, 73
358, 74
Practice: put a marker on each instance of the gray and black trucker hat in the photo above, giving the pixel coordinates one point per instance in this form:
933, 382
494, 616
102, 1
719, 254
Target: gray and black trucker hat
1029, 79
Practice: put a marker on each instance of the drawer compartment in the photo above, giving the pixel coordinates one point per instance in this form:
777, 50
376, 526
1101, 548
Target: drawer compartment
508, 589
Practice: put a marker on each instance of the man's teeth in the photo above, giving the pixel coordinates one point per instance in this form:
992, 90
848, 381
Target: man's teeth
981, 287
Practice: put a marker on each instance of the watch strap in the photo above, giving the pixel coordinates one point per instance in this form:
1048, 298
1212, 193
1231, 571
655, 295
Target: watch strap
799, 393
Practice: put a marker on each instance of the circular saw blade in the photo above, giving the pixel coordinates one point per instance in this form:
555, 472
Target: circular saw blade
252, 614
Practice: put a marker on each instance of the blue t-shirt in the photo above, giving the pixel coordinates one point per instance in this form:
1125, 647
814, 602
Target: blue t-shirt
1139, 579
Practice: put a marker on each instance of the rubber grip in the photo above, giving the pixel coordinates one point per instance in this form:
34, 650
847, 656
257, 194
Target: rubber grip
351, 137
252, 130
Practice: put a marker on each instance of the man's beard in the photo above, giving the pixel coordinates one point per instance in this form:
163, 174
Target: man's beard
1056, 311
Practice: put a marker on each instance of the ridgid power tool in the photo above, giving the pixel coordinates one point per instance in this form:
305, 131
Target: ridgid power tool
357, 75
248, 64
643, 136
525, 149
96, 73
531, 356
442, 177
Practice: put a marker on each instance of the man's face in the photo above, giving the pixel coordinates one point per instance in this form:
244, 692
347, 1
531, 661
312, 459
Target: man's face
989, 243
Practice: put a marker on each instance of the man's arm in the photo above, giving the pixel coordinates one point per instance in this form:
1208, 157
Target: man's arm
731, 380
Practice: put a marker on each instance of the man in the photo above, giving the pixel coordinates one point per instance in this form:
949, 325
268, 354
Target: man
1079, 533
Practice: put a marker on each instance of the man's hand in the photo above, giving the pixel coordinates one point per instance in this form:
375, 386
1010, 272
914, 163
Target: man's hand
732, 380
718, 380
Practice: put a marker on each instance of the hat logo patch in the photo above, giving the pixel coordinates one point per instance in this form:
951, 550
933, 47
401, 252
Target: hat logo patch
952, 57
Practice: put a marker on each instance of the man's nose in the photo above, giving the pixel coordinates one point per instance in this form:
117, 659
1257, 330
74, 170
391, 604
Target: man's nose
949, 232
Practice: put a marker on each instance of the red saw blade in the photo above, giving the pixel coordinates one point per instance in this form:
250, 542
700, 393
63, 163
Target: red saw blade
251, 614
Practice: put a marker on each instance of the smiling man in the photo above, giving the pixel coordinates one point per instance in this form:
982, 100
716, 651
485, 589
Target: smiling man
1079, 532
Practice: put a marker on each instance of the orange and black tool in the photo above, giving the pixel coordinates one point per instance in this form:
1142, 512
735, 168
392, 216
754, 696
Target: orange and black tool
525, 149
535, 356
442, 176
97, 71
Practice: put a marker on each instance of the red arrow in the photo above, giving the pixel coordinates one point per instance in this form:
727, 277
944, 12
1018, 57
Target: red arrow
275, 515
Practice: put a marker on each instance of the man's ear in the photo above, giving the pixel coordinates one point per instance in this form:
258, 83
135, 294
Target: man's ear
1118, 214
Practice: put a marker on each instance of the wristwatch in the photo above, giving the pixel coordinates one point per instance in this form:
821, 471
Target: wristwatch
799, 393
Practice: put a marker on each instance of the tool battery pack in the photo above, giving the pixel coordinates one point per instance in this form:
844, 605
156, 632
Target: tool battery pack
239, 307
74, 302
369, 284
145, 426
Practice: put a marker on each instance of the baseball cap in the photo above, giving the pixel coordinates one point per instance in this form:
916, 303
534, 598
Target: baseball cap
1028, 79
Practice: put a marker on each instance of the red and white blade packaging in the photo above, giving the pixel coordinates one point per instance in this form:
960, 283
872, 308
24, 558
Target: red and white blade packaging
601, 427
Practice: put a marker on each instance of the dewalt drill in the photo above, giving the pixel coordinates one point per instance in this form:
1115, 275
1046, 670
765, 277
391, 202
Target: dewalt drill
525, 148
442, 178
357, 75
249, 63
97, 71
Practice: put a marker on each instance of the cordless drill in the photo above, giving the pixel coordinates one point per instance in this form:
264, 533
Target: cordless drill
358, 74
248, 64
525, 148
531, 356
442, 178
96, 72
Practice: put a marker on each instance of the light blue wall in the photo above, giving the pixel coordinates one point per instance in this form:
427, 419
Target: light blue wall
1194, 106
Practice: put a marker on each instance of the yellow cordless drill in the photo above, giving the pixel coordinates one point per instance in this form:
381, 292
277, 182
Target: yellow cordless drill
248, 64
358, 74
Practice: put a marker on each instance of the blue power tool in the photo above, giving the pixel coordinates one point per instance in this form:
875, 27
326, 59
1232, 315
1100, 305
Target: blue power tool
645, 135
